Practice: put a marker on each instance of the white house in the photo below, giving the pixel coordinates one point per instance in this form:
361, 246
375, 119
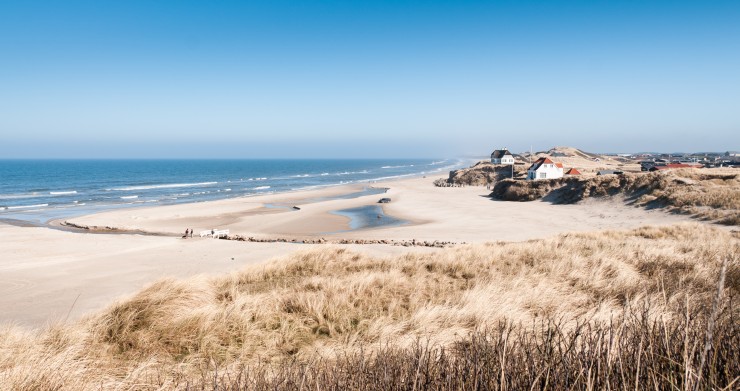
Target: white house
544, 168
502, 156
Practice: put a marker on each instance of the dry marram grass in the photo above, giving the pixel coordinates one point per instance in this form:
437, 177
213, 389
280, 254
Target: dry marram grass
482, 173
342, 308
711, 194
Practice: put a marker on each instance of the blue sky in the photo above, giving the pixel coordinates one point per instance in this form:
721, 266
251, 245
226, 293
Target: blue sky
366, 79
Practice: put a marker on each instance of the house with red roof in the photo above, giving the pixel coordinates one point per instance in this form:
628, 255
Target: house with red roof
544, 168
572, 171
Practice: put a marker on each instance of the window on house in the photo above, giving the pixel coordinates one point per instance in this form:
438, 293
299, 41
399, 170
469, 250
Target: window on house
543, 175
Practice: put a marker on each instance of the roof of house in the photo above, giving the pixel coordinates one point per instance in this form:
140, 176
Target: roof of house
499, 153
559, 165
573, 171
609, 172
543, 160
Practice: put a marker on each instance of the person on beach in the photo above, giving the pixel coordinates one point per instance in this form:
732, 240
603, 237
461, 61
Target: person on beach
186, 233
191, 232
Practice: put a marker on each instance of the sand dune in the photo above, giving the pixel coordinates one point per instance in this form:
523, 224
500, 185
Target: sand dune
586, 162
632, 303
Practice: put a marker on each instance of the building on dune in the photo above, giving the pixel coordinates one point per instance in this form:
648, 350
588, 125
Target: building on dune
573, 171
502, 156
544, 168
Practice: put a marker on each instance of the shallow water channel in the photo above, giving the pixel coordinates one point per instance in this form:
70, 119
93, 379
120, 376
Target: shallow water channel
370, 216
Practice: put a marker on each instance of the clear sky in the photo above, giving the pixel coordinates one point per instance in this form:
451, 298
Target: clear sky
366, 79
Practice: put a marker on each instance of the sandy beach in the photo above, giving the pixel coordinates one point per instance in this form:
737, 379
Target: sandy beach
49, 275
445, 214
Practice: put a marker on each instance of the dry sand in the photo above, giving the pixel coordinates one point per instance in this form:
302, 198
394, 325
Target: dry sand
47, 275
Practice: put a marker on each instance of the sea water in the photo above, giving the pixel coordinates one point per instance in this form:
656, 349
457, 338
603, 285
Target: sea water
40, 190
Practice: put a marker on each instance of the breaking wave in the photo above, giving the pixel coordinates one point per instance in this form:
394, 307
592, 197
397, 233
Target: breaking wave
163, 186
26, 206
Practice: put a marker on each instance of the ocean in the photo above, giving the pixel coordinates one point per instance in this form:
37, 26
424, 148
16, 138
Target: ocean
41, 190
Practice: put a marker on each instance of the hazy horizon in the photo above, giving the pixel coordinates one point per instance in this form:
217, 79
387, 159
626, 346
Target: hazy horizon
412, 79
482, 155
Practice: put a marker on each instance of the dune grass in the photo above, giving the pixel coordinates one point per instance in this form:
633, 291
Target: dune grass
708, 194
623, 309
481, 173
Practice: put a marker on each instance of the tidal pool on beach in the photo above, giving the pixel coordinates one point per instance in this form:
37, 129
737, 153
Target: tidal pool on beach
369, 216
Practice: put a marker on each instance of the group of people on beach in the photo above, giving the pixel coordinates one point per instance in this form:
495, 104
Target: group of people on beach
188, 233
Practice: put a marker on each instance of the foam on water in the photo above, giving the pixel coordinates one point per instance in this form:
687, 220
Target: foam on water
163, 186
19, 196
26, 206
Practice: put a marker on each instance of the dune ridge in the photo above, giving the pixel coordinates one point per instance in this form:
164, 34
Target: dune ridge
321, 305
708, 194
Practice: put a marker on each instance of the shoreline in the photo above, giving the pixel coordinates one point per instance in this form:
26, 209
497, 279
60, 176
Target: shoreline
273, 204
71, 204
324, 190
307, 215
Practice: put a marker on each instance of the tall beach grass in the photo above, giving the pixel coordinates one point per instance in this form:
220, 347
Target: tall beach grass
651, 308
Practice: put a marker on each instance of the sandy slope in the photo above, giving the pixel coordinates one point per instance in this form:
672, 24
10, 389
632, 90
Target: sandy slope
44, 271
587, 163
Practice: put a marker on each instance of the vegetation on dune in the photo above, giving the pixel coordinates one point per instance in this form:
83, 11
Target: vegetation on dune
481, 174
634, 353
710, 194
637, 309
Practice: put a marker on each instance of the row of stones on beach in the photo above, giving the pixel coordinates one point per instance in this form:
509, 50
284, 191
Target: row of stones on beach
87, 227
405, 243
